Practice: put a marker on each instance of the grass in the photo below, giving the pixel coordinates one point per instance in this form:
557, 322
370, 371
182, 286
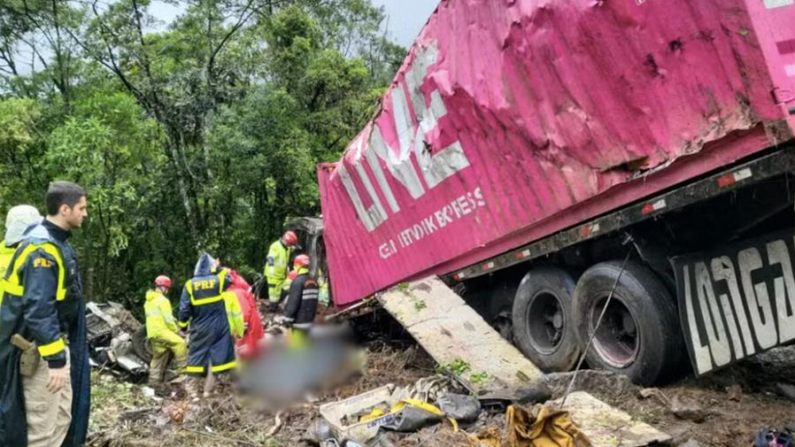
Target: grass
481, 377
113, 398
458, 367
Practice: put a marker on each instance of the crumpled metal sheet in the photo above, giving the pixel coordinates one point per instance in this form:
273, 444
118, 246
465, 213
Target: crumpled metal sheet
514, 119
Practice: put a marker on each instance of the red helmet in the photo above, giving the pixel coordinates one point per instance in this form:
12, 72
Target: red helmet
163, 281
301, 261
290, 238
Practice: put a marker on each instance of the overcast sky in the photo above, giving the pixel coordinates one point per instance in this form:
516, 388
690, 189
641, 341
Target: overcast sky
405, 18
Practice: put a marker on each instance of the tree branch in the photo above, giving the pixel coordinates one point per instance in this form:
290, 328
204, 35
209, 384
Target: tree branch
244, 17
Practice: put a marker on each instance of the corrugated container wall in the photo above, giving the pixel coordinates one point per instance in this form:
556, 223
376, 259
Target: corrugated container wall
512, 119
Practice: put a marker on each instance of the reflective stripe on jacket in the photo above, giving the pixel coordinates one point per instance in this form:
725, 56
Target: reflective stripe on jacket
43, 300
276, 267
234, 314
39, 264
203, 306
6, 253
159, 315
301, 304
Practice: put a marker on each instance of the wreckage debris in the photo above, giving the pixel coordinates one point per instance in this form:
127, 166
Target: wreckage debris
688, 410
130, 417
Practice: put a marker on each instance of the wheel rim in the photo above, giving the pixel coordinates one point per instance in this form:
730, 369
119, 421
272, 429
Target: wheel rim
617, 341
546, 322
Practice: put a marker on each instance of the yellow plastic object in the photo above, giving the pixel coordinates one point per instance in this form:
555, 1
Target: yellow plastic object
375, 414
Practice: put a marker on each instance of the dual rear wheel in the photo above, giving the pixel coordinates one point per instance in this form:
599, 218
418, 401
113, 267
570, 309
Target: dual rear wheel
554, 316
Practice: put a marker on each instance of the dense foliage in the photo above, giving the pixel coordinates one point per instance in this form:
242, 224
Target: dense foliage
200, 134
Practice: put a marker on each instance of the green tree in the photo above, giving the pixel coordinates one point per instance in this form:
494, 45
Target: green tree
112, 149
202, 134
21, 150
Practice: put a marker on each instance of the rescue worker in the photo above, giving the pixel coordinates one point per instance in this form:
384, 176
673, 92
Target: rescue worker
286, 285
247, 345
214, 320
299, 312
18, 219
277, 266
44, 369
161, 330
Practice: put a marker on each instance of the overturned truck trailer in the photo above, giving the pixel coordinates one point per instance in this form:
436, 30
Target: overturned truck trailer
526, 147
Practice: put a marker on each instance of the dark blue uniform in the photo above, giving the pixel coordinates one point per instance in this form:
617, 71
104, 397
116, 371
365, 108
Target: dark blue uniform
202, 309
43, 300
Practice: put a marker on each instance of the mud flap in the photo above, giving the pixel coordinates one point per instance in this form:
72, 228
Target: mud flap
738, 300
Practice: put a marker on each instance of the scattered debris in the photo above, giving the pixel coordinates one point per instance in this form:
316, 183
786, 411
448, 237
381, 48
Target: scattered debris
775, 438
589, 380
786, 390
735, 392
655, 393
459, 407
411, 415
117, 341
606, 426
125, 414
277, 425
688, 410
361, 308
543, 425
341, 416
456, 336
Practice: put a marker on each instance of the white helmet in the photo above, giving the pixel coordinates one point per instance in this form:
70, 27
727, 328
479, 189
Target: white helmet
18, 220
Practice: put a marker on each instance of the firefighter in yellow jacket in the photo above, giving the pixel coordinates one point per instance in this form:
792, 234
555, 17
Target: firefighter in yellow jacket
278, 266
161, 329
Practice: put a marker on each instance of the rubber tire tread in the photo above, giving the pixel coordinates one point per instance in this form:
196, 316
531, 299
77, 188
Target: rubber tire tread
655, 311
141, 345
559, 283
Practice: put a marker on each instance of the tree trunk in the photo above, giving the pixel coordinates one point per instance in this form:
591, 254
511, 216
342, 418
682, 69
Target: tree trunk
187, 206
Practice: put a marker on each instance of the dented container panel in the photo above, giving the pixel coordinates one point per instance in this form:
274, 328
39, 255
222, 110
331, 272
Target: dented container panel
513, 119
775, 22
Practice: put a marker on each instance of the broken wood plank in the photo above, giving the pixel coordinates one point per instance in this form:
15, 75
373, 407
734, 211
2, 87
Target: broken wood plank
454, 334
606, 426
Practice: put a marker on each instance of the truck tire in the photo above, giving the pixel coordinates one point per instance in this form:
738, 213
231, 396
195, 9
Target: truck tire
543, 327
639, 335
141, 345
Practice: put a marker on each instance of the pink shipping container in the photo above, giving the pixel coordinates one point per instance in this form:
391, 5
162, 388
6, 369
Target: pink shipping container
511, 120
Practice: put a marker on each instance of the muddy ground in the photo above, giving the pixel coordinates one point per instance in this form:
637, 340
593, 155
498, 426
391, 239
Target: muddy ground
724, 409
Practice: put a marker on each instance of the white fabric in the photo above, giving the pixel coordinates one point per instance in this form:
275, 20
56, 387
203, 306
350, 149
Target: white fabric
19, 218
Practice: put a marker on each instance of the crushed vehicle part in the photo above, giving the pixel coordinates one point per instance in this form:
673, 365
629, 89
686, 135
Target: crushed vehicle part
117, 341
338, 413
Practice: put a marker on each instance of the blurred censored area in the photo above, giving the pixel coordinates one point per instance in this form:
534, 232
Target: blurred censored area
295, 367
